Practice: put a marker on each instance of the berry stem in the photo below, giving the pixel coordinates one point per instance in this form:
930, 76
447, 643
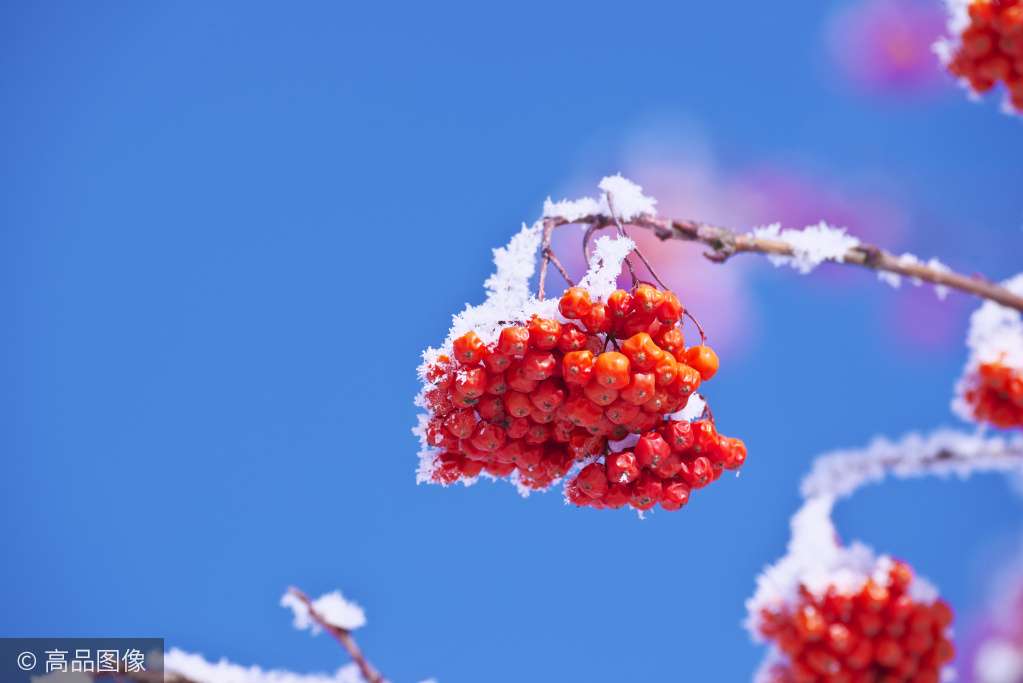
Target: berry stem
725, 243
342, 636
622, 233
561, 268
545, 258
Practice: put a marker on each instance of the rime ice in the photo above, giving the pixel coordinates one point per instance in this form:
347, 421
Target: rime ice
811, 246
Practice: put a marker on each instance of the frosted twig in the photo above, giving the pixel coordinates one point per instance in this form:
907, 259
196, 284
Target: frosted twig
942, 453
724, 243
342, 636
621, 233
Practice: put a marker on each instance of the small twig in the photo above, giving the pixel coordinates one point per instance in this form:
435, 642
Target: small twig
699, 327
590, 229
561, 269
725, 243
545, 251
621, 233
342, 636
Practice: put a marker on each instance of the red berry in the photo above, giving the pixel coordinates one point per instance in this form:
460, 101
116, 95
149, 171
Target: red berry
577, 367
514, 341
611, 369
640, 389
674, 494
646, 299
622, 468
670, 309
646, 491
544, 333
592, 480
575, 303
679, 435
651, 448
703, 359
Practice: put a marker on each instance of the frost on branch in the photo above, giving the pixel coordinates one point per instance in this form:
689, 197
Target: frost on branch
942, 453
195, 668
895, 280
991, 387
536, 391
811, 246
605, 265
627, 197
332, 607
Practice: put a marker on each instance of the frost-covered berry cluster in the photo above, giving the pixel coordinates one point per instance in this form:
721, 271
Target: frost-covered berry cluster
838, 612
986, 48
880, 630
991, 388
597, 386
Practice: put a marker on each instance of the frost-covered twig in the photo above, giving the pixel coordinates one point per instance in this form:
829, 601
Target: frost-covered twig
945, 452
724, 243
342, 635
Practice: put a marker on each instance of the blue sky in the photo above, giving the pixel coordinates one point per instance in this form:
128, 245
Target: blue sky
228, 230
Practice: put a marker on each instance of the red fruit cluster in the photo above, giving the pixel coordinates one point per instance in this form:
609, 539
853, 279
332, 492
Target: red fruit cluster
996, 395
550, 394
991, 49
878, 635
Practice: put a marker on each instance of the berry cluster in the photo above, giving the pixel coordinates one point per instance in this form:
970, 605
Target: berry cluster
878, 634
995, 395
547, 395
991, 48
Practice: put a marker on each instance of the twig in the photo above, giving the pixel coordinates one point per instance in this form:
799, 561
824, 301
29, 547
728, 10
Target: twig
725, 243
342, 636
561, 268
545, 252
621, 231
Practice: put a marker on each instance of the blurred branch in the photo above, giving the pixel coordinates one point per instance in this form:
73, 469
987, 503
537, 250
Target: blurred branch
725, 243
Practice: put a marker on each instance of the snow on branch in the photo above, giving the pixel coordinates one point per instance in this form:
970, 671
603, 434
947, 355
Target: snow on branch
338, 617
811, 246
804, 249
605, 264
332, 608
942, 453
629, 202
184, 666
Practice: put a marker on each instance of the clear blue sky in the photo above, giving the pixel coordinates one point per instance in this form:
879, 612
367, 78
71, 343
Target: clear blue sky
203, 203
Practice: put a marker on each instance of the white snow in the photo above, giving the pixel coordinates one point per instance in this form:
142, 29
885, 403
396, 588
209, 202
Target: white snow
692, 410
995, 335
605, 265
907, 259
810, 246
196, 668
627, 197
958, 21
332, 607
942, 453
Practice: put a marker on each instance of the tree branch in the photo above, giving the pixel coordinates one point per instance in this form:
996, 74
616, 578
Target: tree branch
725, 243
342, 636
